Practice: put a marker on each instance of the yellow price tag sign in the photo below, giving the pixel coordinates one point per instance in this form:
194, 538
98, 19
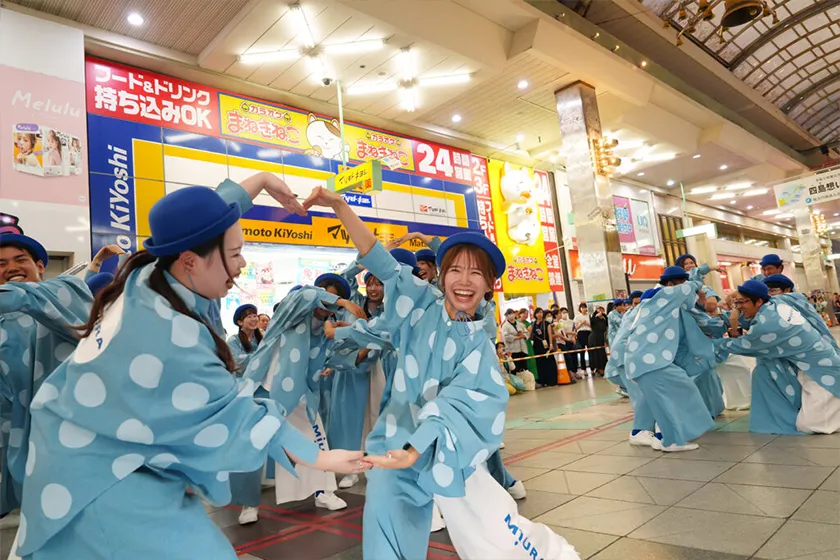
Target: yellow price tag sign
364, 178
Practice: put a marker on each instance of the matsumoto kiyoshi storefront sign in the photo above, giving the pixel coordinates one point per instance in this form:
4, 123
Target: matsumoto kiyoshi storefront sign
808, 190
150, 134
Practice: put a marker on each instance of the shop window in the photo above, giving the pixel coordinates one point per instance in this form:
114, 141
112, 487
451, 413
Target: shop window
673, 247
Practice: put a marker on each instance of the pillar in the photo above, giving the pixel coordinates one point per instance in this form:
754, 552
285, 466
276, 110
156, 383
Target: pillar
703, 248
597, 237
812, 255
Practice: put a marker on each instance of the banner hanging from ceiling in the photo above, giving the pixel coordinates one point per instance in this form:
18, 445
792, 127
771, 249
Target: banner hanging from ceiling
808, 190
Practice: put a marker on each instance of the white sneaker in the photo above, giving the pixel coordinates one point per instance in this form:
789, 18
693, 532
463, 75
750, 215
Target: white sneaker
348, 481
645, 438
502, 445
10, 521
438, 524
517, 490
622, 392
249, 515
330, 501
673, 448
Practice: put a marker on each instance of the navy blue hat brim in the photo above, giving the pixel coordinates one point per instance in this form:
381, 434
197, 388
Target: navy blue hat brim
771, 260
426, 255
237, 315
635, 294
617, 302
779, 279
27, 242
669, 277
754, 288
190, 242
404, 256
478, 240
338, 279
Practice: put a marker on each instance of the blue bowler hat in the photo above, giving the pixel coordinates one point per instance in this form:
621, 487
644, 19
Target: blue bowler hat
755, 288
779, 280
629, 301
682, 258
617, 302
673, 273
426, 255
27, 244
479, 240
240, 311
329, 277
98, 281
771, 260
186, 218
404, 256
649, 293
635, 294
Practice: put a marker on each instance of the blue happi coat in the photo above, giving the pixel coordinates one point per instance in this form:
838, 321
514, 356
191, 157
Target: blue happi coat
784, 343
241, 355
447, 395
613, 324
665, 349
800, 303
35, 337
294, 350
145, 401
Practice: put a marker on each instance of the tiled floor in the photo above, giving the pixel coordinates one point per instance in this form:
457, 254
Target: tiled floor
739, 496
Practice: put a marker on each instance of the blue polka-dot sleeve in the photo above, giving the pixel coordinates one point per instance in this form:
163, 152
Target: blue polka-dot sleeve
698, 273
351, 274
231, 192
56, 304
463, 425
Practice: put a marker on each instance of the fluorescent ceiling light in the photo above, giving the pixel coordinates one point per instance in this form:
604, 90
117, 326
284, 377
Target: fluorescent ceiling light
750, 207
703, 190
660, 157
271, 56
365, 88
523, 84
784, 216
771, 212
670, 183
135, 19
354, 47
695, 156
445, 80
408, 99
456, 118
755, 192
520, 137
739, 186
723, 167
408, 64
642, 174
302, 25
722, 196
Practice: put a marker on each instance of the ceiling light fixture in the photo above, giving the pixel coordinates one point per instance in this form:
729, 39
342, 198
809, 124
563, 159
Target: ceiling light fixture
755, 192
722, 196
695, 156
304, 31
723, 167
771, 212
750, 207
456, 118
408, 63
271, 56
445, 80
643, 64
520, 137
703, 190
642, 174
784, 216
523, 84
739, 186
135, 19
366, 88
408, 98
670, 183
733, 201
354, 47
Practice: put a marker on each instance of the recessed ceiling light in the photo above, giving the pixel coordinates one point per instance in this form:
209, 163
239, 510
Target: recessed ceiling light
750, 207
643, 64
135, 19
642, 174
837, 214
670, 183
703, 190
523, 84
721, 196
456, 118
520, 137
724, 167
695, 156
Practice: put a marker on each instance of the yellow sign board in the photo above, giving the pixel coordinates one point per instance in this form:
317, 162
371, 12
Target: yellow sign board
324, 232
364, 178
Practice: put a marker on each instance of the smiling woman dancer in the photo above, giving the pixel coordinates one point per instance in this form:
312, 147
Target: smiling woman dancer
445, 413
147, 407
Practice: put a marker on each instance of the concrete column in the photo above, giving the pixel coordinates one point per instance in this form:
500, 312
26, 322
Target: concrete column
703, 248
812, 255
592, 204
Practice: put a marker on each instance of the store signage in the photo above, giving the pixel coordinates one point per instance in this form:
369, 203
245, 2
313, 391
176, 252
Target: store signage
710, 230
365, 178
442, 162
808, 190
549, 232
519, 231
632, 219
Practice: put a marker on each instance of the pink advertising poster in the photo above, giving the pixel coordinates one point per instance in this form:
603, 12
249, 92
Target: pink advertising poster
624, 224
42, 138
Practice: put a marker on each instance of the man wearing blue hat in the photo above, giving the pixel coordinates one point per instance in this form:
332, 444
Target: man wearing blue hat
796, 380
770, 264
781, 288
36, 334
665, 347
614, 319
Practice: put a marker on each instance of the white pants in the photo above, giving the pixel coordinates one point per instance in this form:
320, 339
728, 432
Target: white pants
13, 554
736, 377
485, 525
287, 488
820, 412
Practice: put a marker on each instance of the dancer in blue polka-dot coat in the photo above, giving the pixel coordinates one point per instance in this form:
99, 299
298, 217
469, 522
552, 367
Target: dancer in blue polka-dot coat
35, 337
789, 353
147, 407
446, 410
664, 350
